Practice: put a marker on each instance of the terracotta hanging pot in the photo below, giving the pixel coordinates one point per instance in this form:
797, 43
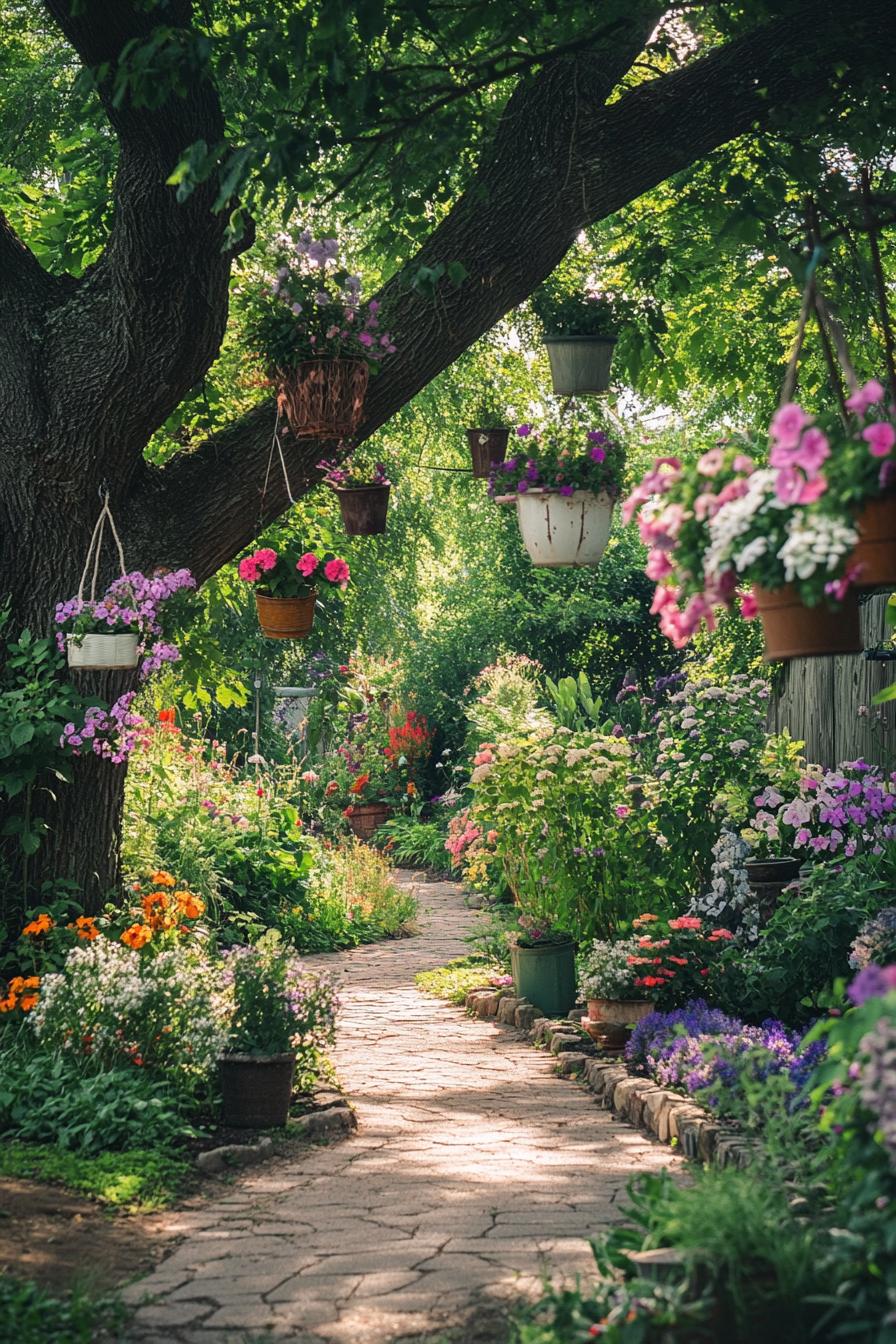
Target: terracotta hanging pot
324, 397
286, 617
364, 509
487, 447
564, 529
793, 630
366, 818
876, 551
580, 363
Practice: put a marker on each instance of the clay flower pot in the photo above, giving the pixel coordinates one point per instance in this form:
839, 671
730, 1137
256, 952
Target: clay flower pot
102, 653
580, 363
487, 447
256, 1090
876, 550
324, 397
364, 509
564, 529
622, 1011
366, 818
793, 630
286, 617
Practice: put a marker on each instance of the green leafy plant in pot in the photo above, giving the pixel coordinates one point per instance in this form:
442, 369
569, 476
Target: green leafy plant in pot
608, 981
580, 331
543, 962
282, 1017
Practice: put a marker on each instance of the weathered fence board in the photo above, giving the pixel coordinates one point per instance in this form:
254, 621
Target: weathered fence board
819, 699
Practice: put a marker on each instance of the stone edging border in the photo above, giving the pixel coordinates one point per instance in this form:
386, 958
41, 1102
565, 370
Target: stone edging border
666, 1115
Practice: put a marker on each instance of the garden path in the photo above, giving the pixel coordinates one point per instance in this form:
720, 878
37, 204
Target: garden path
473, 1169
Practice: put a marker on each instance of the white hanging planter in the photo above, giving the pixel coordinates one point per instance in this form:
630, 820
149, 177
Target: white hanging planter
100, 653
580, 363
564, 529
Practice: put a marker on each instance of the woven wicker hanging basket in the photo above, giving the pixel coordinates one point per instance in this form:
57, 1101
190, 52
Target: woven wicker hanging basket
324, 398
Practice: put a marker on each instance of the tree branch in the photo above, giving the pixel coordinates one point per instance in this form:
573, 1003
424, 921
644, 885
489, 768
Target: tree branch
560, 160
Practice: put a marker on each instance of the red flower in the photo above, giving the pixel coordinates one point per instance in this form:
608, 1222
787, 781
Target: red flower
679, 961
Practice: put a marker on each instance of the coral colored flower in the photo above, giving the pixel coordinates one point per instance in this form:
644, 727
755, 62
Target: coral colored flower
879, 437
166, 715
358, 785
307, 564
27, 1002
190, 906
685, 922
411, 789
137, 936
491, 837
248, 570
85, 927
331, 788
42, 924
337, 571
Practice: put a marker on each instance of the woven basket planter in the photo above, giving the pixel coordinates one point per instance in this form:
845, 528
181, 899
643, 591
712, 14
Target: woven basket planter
366, 818
286, 617
102, 653
324, 398
792, 630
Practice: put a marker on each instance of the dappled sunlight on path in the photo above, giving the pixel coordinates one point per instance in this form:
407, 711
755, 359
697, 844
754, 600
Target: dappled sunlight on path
473, 1169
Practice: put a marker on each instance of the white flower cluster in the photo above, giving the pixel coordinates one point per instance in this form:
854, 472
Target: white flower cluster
736, 518
817, 544
606, 973
729, 901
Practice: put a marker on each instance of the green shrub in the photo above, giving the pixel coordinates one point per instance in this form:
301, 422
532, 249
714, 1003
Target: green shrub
137, 1179
411, 842
454, 980
29, 1315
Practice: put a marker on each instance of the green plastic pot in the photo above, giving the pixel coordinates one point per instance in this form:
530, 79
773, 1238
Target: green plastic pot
580, 363
546, 976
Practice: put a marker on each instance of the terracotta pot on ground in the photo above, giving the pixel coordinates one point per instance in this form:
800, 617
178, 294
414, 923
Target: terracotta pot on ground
767, 879
487, 447
364, 509
286, 617
102, 652
876, 551
256, 1090
580, 363
793, 630
609, 1021
564, 529
324, 397
366, 818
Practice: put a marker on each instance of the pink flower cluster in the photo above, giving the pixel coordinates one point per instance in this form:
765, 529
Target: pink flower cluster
839, 811
108, 733
251, 567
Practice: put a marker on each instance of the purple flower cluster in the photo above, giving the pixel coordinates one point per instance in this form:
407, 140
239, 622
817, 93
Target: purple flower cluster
110, 733
350, 475
129, 605
310, 260
843, 810
560, 470
702, 1051
872, 983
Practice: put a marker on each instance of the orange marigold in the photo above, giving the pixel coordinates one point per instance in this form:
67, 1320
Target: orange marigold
137, 936
42, 924
27, 1002
190, 905
162, 879
155, 898
85, 927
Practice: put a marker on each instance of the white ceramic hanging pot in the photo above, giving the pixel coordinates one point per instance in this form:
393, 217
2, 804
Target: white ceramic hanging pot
564, 529
580, 363
100, 653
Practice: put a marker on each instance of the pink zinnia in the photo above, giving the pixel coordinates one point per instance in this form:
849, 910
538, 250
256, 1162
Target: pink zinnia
266, 558
337, 571
307, 564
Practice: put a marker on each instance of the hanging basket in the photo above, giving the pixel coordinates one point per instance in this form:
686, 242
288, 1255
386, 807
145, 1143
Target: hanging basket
286, 617
324, 397
366, 818
564, 529
487, 447
876, 551
364, 509
580, 363
792, 630
102, 653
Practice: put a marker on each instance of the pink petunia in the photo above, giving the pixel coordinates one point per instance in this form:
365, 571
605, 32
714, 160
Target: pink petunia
749, 607
337, 571
869, 395
711, 463
787, 425
792, 487
307, 564
879, 437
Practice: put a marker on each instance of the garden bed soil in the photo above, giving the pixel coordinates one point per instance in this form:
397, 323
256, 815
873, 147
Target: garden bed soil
44, 1231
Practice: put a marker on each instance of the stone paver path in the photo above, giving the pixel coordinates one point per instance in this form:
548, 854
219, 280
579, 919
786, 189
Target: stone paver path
473, 1169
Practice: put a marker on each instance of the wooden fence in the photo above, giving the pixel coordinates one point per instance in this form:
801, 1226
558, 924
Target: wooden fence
819, 700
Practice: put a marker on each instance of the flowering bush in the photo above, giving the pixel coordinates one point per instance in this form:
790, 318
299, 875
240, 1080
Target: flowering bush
289, 573
674, 958
608, 971
560, 460
312, 309
875, 942
729, 900
278, 1005
111, 1006
842, 811
353, 474
710, 1056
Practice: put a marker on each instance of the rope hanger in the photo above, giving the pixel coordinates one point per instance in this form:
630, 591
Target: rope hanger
94, 550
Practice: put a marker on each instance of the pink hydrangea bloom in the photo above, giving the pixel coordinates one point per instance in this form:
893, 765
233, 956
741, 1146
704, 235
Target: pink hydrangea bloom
248, 569
307, 564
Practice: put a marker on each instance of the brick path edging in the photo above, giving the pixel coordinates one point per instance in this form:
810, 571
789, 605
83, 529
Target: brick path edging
665, 1114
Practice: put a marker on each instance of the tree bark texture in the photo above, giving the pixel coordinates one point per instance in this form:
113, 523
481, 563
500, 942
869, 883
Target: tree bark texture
90, 367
